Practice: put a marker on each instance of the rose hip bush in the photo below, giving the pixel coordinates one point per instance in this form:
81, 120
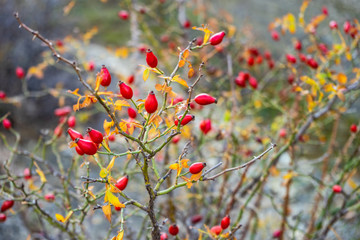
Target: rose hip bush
211, 136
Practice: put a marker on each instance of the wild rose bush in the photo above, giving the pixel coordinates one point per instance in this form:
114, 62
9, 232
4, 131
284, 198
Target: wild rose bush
219, 147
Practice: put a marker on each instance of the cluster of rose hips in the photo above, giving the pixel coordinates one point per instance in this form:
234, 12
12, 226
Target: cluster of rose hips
243, 78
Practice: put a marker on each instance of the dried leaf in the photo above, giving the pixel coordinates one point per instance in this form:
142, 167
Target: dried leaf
180, 81
111, 164
68, 7
107, 212
191, 73
41, 173
113, 199
181, 63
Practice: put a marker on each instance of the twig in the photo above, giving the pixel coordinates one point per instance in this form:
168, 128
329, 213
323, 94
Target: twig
243, 165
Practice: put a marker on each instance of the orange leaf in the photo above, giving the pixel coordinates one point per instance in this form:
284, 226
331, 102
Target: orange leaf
342, 78
181, 63
186, 54
191, 73
107, 212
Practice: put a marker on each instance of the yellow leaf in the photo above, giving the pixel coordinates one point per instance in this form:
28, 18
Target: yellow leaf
122, 52
329, 88
174, 166
180, 81
342, 78
120, 236
68, 8
352, 183
59, 217
35, 71
88, 35
107, 212
111, 164
107, 126
113, 199
121, 103
291, 22
41, 173
274, 171
103, 173
289, 175
99, 77
75, 92
146, 74
231, 31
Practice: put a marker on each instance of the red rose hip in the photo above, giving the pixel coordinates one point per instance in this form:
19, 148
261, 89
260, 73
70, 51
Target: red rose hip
7, 205
216, 230
87, 146
6, 123
151, 59
225, 222
74, 134
121, 183
217, 38
132, 113
174, 229
151, 104
125, 90
337, 189
197, 167
205, 126
95, 135
205, 99
105, 77
188, 118
353, 128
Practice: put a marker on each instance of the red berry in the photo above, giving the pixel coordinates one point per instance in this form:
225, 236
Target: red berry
91, 66
2, 95
64, 111
217, 38
177, 100
27, 174
187, 24
291, 79
298, 45
302, 57
176, 139
259, 60
49, 197
225, 222
275, 35
282, 133
205, 126
123, 14
74, 134
163, 236
216, 229
240, 81
79, 151
87, 146
253, 82
333, 24
204, 99
188, 118
277, 233
250, 61
323, 48
151, 104
267, 55
337, 189
105, 76
125, 90
58, 131
174, 229
197, 167
353, 128
95, 135
151, 59
347, 27
59, 43
291, 58
111, 138
7, 205
6, 123
131, 79
20, 73
312, 63
2, 217
325, 11
118, 208
71, 122
121, 183
132, 113
254, 51
271, 64
199, 41
196, 218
